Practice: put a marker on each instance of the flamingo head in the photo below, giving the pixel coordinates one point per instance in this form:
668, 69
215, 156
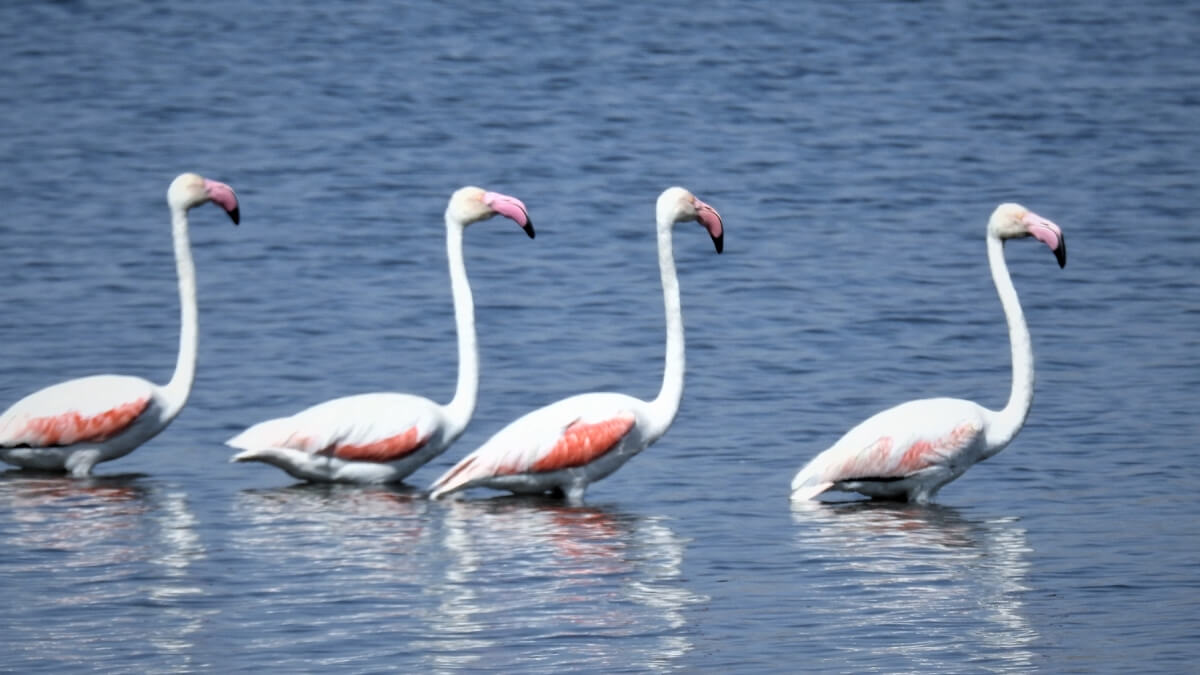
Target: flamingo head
1012, 221
676, 205
471, 204
189, 189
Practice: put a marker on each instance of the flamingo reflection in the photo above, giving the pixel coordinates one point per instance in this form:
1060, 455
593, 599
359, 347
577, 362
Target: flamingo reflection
330, 521
106, 540
927, 581
332, 571
568, 578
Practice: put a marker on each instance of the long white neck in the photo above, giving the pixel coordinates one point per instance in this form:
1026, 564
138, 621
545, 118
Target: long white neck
1007, 422
664, 407
462, 406
177, 390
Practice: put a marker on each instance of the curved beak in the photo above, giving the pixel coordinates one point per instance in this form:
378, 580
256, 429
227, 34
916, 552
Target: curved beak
223, 196
510, 207
711, 220
1049, 234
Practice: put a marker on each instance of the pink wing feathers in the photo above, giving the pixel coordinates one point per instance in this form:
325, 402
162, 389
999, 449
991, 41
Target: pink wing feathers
365, 428
87, 410
350, 444
892, 457
868, 453
578, 443
387, 449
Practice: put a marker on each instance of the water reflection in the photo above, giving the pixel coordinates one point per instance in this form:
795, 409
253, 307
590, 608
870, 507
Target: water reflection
52, 512
923, 586
107, 542
305, 521
331, 573
529, 581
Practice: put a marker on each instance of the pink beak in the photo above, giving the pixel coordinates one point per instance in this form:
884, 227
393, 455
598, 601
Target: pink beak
711, 220
223, 196
510, 207
1049, 234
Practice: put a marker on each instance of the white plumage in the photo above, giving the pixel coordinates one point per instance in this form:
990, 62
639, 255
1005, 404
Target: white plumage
384, 437
912, 450
567, 445
73, 425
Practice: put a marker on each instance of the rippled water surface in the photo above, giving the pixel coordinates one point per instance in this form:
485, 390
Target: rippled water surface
855, 153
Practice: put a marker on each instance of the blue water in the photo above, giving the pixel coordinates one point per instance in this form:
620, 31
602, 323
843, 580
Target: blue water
855, 152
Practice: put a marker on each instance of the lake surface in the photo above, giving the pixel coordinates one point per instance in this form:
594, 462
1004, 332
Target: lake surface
855, 152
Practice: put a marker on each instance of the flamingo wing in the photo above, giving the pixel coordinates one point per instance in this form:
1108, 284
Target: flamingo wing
894, 444
527, 447
366, 428
87, 410
900, 455
388, 448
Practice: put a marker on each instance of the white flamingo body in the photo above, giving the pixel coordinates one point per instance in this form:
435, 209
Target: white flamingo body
384, 437
908, 452
73, 425
80, 422
563, 446
579, 440
912, 450
367, 438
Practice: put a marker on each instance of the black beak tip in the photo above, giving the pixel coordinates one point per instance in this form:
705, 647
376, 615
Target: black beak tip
235, 215
528, 227
1060, 253
719, 242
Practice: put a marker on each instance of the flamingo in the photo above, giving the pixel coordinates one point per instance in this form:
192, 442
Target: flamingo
912, 450
383, 437
566, 445
72, 425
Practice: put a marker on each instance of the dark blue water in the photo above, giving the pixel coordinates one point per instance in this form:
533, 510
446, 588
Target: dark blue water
855, 153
